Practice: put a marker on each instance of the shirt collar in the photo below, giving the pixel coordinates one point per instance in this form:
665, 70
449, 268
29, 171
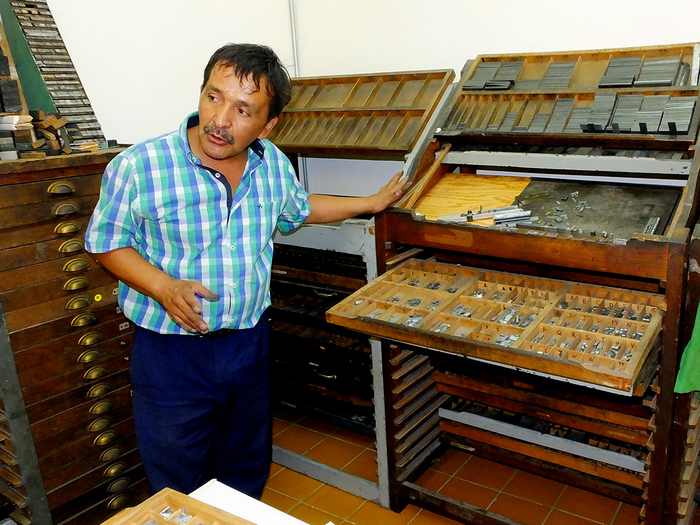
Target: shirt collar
257, 147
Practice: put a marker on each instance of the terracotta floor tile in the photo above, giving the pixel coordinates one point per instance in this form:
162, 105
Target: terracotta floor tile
365, 466
462, 490
355, 438
432, 479
451, 461
334, 453
278, 425
278, 500
275, 469
536, 488
319, 425
425, 517
519, 510
372, 514
587, 504
293, 484
485, 472
335, 501
628, 515
312, 516
562, 518
298, 439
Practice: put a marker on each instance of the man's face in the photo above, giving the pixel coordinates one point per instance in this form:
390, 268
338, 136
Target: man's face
232, 114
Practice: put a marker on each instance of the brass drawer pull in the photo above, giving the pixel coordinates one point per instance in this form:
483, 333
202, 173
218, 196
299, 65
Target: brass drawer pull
81, 320
77, 302
75, 283
66, 228
111, 454
90, 338
114, 470
88, 356
65, 208
93, 373
97, 390
76, 265
70, 246
118, 502
118, 485
101, 407
60, 187
105, 438
99, 424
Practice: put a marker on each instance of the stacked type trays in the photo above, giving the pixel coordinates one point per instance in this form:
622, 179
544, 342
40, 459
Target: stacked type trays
593, 334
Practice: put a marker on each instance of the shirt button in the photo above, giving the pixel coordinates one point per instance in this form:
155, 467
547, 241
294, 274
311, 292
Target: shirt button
217, 175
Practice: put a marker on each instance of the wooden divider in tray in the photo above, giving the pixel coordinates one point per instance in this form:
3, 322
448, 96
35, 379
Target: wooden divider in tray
593, 334
368, 113
169, 507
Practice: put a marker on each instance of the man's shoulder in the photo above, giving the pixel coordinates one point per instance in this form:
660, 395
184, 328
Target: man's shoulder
271, 153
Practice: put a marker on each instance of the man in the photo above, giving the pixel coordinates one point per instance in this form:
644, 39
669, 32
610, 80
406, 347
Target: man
185, 221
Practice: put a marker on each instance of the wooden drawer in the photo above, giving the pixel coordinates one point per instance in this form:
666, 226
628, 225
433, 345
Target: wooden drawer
59, 209
61, 286
88, 376
82, 302
92, 416
44, 231
38, 363
28, 276
39, 252
49, 190
100, 475
69, 323
601, 337
91, 392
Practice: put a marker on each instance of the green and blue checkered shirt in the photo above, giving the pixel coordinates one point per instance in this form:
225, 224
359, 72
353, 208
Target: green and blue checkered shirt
184, 219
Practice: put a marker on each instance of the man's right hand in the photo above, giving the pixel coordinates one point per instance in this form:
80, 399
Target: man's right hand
181, 299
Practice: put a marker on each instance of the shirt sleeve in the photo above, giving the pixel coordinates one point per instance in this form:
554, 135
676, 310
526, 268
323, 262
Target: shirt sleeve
111, 225
296, 208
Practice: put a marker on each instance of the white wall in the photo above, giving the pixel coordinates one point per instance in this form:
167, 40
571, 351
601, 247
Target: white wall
141, 61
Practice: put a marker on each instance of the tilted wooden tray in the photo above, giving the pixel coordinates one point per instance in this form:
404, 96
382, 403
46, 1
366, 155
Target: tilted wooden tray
170, 507
592, 334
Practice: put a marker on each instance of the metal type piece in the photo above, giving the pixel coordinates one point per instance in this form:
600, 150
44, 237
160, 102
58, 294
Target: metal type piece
621, 72
413, 302
558, 76
659, 72
677, 115
167, 513
413, 320
442, 328
560, 115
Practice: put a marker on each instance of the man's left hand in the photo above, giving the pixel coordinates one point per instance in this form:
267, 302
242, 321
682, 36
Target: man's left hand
389, 193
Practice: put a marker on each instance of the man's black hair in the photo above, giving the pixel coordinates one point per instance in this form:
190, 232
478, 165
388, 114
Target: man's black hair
255, 61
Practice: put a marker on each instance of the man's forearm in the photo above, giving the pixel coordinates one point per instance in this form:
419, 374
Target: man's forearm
328, 208
134, 270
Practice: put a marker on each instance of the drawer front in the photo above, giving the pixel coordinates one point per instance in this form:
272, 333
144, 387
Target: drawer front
81, 302
36, 274
49, 190
39, 252
59, 287
71, 358
59, 209
90, 392
70, 323
91, 416
45, 231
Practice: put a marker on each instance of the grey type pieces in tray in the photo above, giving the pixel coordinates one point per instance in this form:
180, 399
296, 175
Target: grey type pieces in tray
494, 75
652, 114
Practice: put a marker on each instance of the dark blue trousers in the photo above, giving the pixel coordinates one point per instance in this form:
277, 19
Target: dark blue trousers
202, 408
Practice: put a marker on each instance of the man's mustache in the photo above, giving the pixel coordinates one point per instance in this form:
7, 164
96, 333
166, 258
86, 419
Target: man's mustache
220, 133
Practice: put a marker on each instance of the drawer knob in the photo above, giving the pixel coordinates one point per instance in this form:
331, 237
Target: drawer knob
93, 373
97, 390
76, 265
90, 338
60, 187
81, 320
105, 438
111, 454
70, 246
101, 407
65, 208
66, 228
118, 502
88, 356
99, 424
75, 283
77, 302
118, 485
114, 470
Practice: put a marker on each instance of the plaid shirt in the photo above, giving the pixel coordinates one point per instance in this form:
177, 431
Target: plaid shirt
184, 219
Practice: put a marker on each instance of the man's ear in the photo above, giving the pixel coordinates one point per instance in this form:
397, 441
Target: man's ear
268, 127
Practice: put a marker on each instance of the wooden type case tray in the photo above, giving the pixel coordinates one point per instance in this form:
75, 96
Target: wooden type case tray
169, 507
591, 334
